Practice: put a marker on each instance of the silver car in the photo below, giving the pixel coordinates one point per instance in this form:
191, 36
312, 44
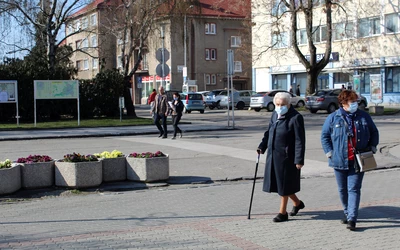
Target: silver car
265, 100
241, 98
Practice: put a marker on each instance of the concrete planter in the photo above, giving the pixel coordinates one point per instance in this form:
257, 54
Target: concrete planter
377, 110
78, 174
147, 169
10, 179
114, 169
37, 175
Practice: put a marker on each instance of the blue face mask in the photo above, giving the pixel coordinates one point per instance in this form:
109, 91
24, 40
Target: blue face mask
281, 110
353, 107
175, 98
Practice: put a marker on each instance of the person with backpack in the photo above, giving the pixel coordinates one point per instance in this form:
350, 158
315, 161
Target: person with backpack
176, 107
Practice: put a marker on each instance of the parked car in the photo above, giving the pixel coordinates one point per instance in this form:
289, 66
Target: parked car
265, 100
204, 94
327, 99
193, 101
212, 96
241, 98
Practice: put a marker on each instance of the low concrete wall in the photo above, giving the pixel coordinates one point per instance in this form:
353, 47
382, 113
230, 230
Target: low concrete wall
10, 179
78, 174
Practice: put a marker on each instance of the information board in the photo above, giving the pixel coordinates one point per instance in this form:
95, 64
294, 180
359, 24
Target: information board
8, 91
57, 89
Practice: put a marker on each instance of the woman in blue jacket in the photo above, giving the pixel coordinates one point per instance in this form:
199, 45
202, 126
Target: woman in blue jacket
348, 123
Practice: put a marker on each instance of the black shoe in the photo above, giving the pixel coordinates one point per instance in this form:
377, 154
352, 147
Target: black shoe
296, 209
281, 217
164, 137
173, 138
351, 225
344, 219
161, 135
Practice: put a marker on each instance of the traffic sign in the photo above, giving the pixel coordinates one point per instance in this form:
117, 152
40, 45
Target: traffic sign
159, 55
159, 70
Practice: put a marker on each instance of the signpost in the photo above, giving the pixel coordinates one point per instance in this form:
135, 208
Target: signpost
121, 107
230, 64
376, 89
56, 89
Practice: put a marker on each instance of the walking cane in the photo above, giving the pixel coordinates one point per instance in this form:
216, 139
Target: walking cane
254, 184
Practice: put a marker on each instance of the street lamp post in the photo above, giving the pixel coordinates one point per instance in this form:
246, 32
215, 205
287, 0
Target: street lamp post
184, 43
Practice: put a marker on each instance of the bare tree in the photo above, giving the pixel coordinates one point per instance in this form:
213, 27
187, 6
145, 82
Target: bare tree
46, 17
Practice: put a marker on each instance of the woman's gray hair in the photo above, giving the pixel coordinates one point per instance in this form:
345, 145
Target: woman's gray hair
283, 96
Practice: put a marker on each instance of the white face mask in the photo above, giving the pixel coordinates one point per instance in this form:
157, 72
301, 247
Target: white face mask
353, 107
281, 110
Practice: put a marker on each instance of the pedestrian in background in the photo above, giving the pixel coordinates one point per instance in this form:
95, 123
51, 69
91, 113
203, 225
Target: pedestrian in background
177, 107
343, 129
298, 90
291, 89
151, 99
285, 143
160, 110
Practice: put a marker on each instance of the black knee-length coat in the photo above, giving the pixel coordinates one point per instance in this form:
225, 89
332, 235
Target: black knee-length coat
285, 142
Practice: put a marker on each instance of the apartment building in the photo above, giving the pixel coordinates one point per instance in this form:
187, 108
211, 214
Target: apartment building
364, 46
86, 33
212, 27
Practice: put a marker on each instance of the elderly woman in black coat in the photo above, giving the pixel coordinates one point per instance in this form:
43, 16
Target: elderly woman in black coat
285, 142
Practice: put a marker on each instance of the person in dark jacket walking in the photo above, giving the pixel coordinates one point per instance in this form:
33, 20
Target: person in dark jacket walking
160, 110
285, 143
176, 107
298, 90
343, 129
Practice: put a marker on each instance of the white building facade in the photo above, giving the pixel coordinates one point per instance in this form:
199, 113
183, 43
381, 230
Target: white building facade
365, 42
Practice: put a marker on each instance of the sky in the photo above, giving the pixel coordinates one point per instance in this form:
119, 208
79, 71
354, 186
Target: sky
11, 35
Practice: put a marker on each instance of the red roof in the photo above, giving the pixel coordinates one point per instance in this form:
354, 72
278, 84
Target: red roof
225, 8
91, 6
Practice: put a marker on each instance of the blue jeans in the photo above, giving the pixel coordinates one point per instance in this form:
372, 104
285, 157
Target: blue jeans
349, 185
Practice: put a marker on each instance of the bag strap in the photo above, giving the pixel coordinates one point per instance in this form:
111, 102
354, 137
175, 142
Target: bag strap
350, 137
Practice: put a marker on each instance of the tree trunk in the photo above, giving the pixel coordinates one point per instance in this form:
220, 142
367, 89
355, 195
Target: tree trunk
130, 108
312, 82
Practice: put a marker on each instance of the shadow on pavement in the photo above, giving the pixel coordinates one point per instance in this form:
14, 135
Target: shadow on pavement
189, 180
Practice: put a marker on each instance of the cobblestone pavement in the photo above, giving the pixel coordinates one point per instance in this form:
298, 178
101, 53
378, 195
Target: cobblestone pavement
205, 217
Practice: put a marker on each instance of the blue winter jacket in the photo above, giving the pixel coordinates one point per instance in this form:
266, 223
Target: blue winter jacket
334, 137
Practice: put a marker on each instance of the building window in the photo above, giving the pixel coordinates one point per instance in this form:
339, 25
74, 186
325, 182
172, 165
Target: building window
280, 40
78, 65
302, 37
77, 25
211, 54
85, 23
210, 28
236, 41
279, 81
392, 80
318, 2
94, 41
343, 31
78, 44
145, 62
207, 79
368, 26
319, 34
278, 8
95, 63
119, 62
70, 29
85, 43
86, 64
213, 79
237, 66
365, 79
392, 23
93, 20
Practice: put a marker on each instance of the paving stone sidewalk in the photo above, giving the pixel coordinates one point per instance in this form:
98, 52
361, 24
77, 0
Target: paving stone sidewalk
205, 217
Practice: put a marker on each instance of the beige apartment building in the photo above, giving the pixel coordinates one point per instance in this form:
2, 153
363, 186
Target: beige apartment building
87, 33
364, 46
210, 31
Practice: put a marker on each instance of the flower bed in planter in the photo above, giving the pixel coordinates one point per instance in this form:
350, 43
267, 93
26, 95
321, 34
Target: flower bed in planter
147, 167
78, 171
37, 171
114, 166
10, 178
